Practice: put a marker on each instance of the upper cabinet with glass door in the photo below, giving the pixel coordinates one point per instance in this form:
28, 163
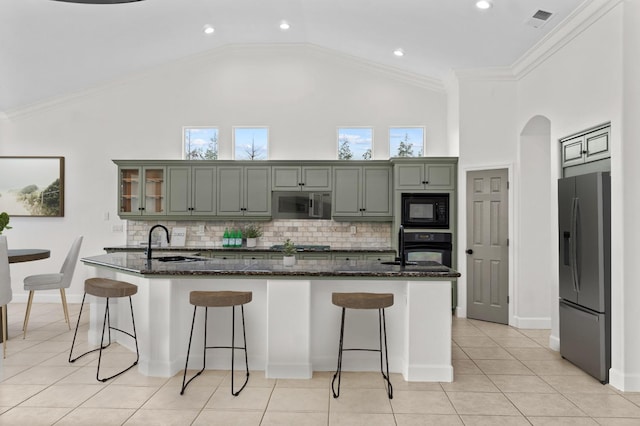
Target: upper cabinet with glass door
141, 191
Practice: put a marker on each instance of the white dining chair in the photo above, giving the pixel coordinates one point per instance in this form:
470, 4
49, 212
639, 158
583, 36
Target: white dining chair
59, 280
5, 290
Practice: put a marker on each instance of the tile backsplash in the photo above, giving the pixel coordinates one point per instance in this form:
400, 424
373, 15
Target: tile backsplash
316, 232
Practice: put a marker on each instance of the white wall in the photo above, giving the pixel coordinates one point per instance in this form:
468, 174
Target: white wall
588, 78
487, 110
625, 371
302, 93
532, 308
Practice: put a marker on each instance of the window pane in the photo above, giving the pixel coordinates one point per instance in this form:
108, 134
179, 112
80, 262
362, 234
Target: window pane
251, 143
200, 143
355, 143
406, 142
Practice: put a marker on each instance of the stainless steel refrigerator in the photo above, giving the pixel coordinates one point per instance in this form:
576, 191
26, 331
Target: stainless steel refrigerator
584, 205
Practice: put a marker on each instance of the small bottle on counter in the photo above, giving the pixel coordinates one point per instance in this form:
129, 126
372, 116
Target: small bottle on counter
239, 238
232, 238
225, 238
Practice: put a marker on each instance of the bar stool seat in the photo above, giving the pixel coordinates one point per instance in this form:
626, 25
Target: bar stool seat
378, 301
218, 299
362, 300
214, 299
107, 288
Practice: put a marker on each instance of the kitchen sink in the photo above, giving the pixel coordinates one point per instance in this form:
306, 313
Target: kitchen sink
178, 259
397, 262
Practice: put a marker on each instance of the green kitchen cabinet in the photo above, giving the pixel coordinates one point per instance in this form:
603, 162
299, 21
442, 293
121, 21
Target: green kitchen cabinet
364, 192
586, 147
303, 178
223, 255
419, 176
244, 191
254, 256
380, 257
191, 190
347, 256
141, 191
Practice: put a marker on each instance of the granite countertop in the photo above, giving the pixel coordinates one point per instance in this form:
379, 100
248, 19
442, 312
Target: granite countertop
136, 263
134, 248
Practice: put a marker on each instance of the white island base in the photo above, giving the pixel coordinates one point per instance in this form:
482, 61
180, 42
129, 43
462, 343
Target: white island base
291, 325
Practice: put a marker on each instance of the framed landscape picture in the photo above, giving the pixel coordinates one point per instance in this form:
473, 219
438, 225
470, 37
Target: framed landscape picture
32, 186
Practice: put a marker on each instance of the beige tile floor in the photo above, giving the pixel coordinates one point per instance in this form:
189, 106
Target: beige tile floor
503, 376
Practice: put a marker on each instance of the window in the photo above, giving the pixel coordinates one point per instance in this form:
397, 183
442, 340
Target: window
251, 143
406, 141
355, 143
200, 143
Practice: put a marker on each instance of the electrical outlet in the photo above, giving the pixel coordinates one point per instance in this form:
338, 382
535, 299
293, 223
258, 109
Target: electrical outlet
353, 230
117, 228
106, 215
201, 229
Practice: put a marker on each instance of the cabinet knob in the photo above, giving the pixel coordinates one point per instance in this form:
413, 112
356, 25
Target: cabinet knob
469, 251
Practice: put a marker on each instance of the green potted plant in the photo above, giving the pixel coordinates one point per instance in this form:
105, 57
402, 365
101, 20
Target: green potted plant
4, 222
289, 253
252, 231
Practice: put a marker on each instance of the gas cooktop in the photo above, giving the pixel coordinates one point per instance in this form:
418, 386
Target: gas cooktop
303, 247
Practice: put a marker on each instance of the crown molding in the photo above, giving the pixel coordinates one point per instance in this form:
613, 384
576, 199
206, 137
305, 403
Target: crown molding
485, 74
578, 21
589, 12
419, 80
397, 74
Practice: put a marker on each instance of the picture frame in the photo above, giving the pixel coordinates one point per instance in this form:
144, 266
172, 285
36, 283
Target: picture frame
32, 186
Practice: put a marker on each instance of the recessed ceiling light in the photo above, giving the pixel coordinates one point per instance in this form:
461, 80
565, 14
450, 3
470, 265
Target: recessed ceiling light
398, 52
484, 4
284, 25
99, 1
208, 29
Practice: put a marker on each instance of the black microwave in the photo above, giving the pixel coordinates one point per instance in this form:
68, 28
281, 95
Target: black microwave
422, 210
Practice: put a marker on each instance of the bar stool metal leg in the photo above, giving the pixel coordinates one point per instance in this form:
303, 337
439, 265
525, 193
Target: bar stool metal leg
106, 326
384, 354
338, 372
204, 355
382, 322
232, 347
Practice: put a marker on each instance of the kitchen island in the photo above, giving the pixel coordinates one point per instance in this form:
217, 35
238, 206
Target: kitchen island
292, 327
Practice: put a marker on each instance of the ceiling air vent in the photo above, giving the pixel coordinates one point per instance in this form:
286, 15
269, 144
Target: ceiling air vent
539, 19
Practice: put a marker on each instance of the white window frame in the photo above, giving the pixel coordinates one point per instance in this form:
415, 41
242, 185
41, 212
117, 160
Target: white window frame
233, 151
184, 142
355, 127
422, 144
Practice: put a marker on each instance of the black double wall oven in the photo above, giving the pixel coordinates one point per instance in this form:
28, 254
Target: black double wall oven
425, 222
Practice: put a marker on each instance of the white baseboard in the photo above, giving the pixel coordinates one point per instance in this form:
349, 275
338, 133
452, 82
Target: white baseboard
554, 343
532, 323
624, 382
46, 297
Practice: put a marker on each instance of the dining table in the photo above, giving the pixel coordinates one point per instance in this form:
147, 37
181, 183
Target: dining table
19, 256
27, 255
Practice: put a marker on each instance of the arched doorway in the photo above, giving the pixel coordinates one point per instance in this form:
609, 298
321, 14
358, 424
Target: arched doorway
534, 278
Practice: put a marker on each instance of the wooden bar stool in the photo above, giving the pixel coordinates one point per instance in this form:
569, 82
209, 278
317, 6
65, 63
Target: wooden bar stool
107, 288
378, 301
217, 299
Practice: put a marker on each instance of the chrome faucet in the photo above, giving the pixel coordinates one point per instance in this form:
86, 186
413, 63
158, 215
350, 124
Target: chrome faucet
151, 232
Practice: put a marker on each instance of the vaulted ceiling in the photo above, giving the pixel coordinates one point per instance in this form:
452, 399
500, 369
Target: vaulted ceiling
51, 48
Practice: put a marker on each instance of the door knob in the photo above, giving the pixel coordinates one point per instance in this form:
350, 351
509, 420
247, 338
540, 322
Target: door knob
469, 251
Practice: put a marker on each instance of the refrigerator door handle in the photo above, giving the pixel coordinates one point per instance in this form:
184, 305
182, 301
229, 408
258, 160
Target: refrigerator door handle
574, 245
